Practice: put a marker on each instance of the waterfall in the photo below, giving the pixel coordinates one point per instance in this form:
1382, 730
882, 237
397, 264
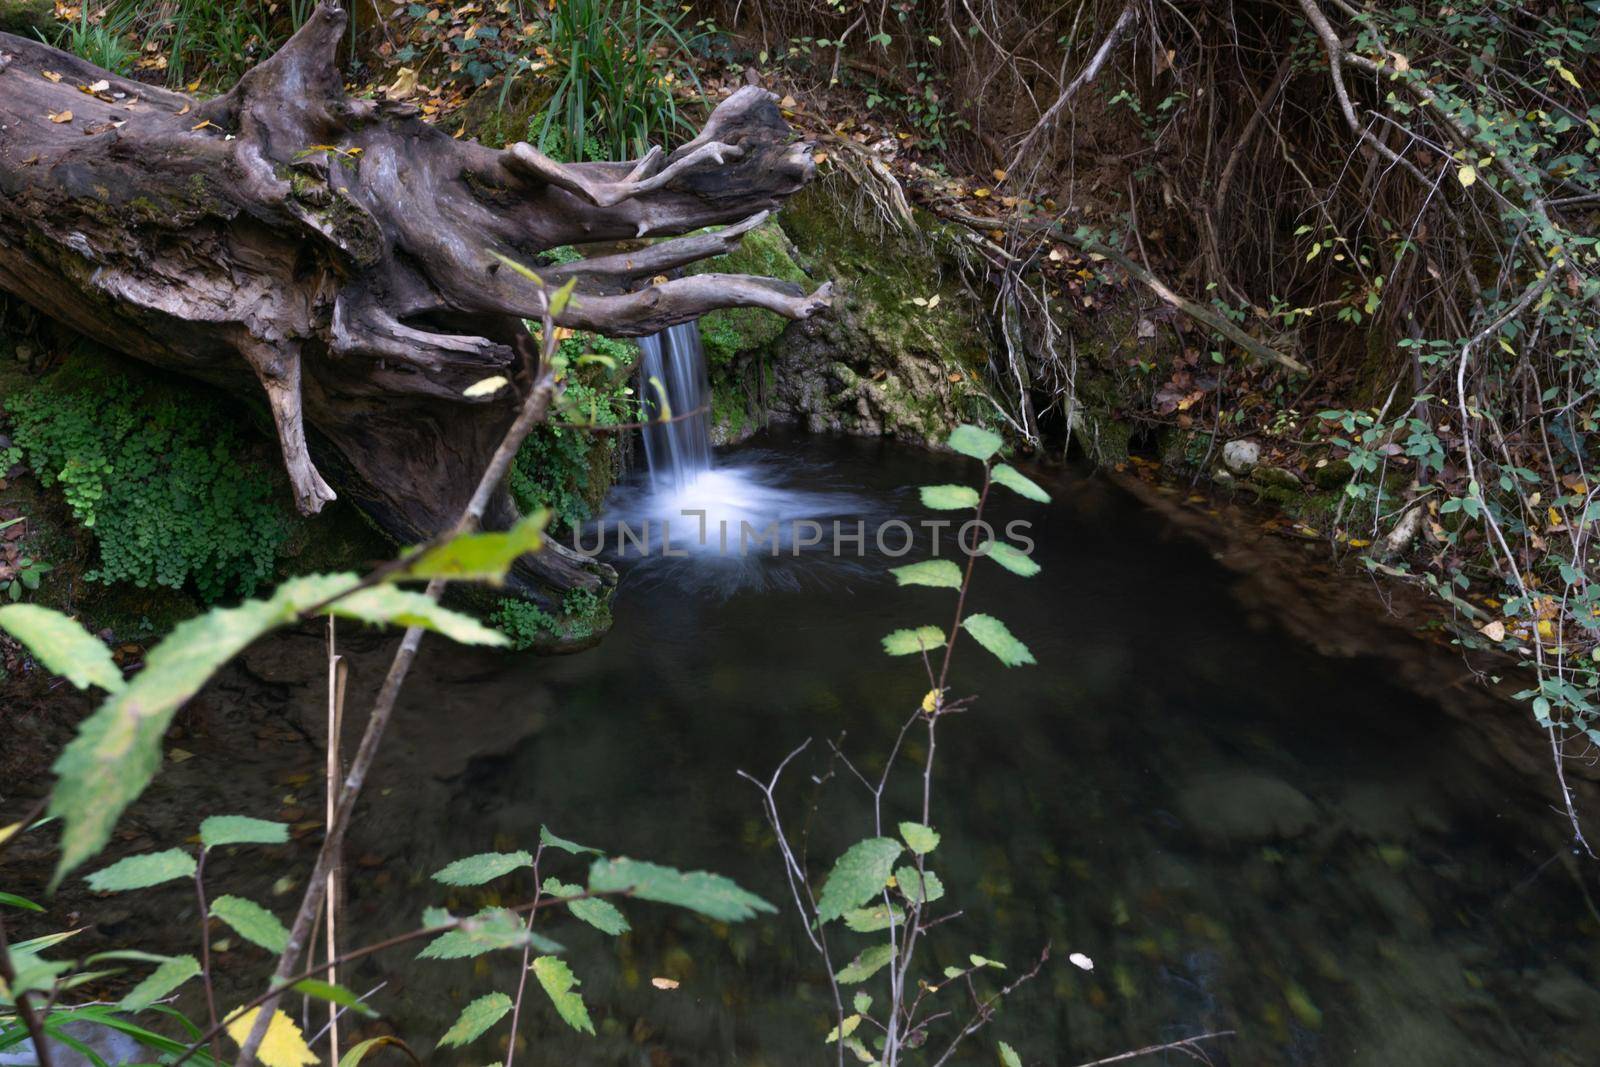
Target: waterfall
678, 452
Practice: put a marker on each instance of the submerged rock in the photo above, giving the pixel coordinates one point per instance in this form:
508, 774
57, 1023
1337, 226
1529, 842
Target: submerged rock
1245, 808
1241, 456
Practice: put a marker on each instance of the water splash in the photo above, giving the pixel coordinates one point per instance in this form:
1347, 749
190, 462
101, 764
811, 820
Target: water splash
673, 379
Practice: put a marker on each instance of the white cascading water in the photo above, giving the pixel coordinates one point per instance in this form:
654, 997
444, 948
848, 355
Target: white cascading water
686, 506
677, 452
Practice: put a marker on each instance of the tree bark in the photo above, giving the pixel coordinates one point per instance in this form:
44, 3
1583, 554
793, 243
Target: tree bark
345, 256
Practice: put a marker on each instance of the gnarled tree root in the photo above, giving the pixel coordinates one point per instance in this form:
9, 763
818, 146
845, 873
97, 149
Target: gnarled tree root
347, 256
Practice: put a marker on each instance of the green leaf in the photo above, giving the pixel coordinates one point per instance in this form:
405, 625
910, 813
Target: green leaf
490, 930
600, 914
939, 573
475, 1019
14, 901
870, 920
143, 871
860, 875
484, 867
908, 642
971, 441
359, 1052
483, 556
163, 980
982, 961
241, 830
711, 895
118, 748
550, 840
559, 982
992, 634
1010, 557
862, 1002
922, 839
846, 1027
870, 962
1019, 483
63, 646
334, 994
403, 607
1008, 1056
914, 885
252, 922
949, 497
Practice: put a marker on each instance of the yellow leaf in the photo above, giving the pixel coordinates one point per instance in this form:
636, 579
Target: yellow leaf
1401, 63
999, 175
1545, 629
930, 702
1466, 175
50, 75
981, 194
8, 832
98, 87
1495, 631
1554, 516
282, 1047
819, 157
664, 983
933, 302
486, 387
788, 101
60, 116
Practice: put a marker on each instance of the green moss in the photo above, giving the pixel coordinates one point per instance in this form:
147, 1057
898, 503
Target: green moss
584, 616
730, 332
562, 466
27, 17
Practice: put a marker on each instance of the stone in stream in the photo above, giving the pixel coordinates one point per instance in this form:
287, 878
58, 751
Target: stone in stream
1245, 808
111, 1046
1241, 456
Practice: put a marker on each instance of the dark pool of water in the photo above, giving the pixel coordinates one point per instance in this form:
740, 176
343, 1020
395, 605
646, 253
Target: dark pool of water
1242, 835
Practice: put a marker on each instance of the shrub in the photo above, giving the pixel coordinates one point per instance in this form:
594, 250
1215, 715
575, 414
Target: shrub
159, 482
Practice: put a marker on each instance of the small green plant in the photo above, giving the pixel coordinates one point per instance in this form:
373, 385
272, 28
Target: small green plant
101, 39
24, 576
159, 482
620, 62
876, 903
525, 624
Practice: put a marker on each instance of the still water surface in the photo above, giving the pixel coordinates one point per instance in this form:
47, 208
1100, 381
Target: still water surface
1242, 835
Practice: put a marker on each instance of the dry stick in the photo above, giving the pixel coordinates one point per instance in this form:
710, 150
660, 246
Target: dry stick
338, 673
205, 949
1086, 76
1182, 1045
534, 408
527, 958
23, 1001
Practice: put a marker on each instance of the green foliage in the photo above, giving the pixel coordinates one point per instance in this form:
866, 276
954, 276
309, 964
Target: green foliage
992, 634
251, 921
490, 930
918, 887
561, 466
100, 38
484, 867
600, 914
160, 484
949, 497
551, 840
118, 748
484, 556
909, 642
214, 41
1011, 558
978, 443
1019, 483
938, 573
476, 1019
558, 981
919, 838
708, 894
143, 871
62, 646
159, 983
858, 876
241, 830
868, 963
618, 62
526, 625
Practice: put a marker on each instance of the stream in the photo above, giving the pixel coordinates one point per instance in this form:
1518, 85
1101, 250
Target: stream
1241, 834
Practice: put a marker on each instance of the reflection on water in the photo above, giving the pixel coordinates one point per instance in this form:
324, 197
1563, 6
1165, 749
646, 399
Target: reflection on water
1242, 835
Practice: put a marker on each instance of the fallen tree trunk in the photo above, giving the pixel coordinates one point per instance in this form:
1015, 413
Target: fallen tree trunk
346, 256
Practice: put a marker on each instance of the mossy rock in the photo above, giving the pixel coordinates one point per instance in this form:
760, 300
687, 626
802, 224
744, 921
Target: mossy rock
902, 348
27, 18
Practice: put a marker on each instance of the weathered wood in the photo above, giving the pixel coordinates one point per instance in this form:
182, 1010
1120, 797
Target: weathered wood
345, 255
